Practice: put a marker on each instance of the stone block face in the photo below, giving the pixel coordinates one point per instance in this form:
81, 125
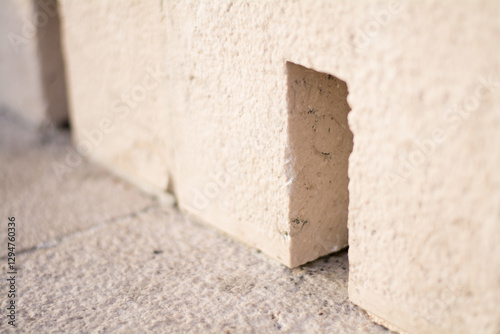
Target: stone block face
320, 143
290, 203
117, 88
247, 157
424, 211
32, 83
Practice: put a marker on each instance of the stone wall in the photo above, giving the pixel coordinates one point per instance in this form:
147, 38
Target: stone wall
248, 113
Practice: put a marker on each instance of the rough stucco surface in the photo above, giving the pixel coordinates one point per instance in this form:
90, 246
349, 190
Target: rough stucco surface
31, 82
150, 268
117, 88
424, 213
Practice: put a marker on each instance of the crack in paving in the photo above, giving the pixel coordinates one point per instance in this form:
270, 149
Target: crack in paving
52, 243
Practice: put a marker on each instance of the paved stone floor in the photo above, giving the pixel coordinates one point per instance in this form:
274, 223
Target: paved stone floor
94, 254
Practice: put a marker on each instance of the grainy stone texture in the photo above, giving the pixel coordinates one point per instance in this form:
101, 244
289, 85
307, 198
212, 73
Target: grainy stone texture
32, 81
424, 212
150, 269
48, 205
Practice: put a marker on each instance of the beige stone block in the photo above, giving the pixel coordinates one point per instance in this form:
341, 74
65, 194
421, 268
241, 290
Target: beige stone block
261, 143
117, 87
291, 204
32, 83
424, 211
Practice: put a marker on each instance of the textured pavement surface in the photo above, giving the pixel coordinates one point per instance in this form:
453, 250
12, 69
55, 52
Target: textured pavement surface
96, 255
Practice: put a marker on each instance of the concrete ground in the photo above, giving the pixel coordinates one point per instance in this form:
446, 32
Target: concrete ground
94, 254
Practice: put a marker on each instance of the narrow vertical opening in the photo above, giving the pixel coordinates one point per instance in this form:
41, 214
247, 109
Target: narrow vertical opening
320, 145
52, 62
